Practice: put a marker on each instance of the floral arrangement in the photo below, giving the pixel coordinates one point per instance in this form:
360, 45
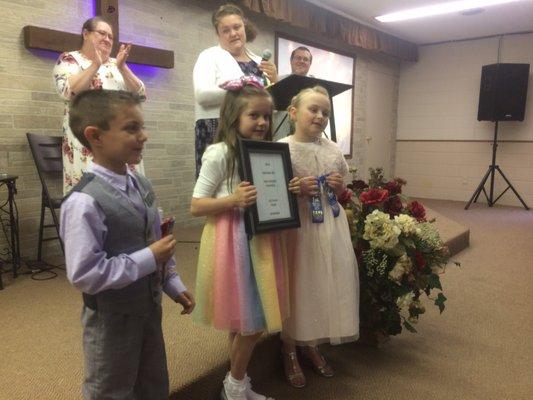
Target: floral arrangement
400, 254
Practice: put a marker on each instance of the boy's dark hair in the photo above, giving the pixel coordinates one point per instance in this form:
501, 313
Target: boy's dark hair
97, 108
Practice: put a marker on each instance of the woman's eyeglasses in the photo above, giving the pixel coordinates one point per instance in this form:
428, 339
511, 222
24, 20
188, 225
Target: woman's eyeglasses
104, 34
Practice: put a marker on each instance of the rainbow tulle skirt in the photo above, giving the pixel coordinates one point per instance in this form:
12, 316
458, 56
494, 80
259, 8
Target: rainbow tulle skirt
241, 284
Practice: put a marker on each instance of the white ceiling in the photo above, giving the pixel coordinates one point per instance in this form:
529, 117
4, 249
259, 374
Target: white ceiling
494, 20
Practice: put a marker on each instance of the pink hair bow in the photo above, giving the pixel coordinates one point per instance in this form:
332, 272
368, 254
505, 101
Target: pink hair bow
237, 84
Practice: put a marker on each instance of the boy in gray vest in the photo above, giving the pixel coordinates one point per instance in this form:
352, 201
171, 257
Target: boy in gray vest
115, 254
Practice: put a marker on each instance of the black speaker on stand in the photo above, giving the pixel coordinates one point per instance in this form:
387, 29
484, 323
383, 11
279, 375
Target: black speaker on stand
502, 97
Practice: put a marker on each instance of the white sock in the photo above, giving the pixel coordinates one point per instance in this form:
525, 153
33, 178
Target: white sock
234, 381
250, 394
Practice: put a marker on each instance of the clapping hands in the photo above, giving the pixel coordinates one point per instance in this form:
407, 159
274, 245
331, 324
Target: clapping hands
98, 56
123, 54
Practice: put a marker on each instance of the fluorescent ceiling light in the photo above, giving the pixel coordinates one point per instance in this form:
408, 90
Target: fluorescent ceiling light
439, 9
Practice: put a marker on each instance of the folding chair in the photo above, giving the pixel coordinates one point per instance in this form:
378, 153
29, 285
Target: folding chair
46, 151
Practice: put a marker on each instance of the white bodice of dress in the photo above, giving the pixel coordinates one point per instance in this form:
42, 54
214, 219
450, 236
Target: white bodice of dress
315, 158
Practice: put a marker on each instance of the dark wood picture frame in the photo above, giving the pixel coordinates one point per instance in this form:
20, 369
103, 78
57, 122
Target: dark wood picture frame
252, 223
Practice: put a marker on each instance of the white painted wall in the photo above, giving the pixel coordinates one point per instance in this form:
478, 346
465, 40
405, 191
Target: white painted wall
381, 94
439, 94
442, 150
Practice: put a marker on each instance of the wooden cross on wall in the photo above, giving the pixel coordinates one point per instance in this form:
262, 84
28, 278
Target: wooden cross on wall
49, 39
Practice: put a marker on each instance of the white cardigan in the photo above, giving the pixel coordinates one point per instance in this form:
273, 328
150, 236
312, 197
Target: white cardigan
213, 67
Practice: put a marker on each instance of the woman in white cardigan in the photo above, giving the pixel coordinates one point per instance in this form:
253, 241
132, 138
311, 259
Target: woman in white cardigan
215, 65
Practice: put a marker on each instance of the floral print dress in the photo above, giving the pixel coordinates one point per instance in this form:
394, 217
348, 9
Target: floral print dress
76, 157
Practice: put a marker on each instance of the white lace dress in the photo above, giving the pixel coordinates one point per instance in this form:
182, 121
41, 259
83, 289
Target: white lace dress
324, 281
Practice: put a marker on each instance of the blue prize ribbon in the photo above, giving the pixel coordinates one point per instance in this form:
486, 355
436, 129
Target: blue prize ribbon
316, 210
332, 198
317, 213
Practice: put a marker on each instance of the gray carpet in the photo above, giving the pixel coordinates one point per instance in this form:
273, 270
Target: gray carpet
479, 348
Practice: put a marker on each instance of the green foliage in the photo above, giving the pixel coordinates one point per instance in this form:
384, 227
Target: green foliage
439, 301
393, 274
409, 327
434, 282
376, 179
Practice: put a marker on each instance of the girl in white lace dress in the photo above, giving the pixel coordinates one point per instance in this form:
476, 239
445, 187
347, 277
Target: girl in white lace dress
324, 283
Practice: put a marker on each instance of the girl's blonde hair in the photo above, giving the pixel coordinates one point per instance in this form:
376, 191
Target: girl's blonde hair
231, 109
296, 101
232, 9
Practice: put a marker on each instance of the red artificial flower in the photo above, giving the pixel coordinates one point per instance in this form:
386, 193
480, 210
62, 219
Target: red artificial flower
374, 196
393, 206
419, 260
358, 185
400, 181
394, 187
417, 210
345, 197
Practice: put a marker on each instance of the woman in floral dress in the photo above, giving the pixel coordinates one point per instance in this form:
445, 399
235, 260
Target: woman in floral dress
90, 68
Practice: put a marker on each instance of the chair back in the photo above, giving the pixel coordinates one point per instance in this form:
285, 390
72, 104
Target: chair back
47, 155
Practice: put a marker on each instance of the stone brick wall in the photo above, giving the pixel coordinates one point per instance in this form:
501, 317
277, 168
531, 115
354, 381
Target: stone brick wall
28, 101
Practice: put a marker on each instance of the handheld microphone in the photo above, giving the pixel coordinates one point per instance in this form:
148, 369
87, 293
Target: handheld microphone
266, 55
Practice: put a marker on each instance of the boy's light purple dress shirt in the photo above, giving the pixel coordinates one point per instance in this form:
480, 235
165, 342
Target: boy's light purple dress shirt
83, 232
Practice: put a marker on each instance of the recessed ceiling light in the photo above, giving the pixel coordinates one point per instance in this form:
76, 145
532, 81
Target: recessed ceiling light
439, 9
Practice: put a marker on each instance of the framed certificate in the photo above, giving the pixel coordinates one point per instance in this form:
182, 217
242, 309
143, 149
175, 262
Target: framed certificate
267, 166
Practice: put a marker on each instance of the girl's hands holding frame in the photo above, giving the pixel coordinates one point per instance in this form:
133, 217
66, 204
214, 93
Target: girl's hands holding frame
294, 185
245, 195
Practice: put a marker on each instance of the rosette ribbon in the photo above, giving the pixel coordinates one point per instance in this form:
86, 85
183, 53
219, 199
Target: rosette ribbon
317, 212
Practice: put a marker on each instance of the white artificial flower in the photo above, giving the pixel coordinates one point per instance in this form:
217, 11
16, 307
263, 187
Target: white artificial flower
381, 231
404, 301
407, 224
396, 274
402, 267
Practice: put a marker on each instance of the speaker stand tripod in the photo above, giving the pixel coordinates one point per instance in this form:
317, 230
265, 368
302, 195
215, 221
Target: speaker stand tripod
491, 171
